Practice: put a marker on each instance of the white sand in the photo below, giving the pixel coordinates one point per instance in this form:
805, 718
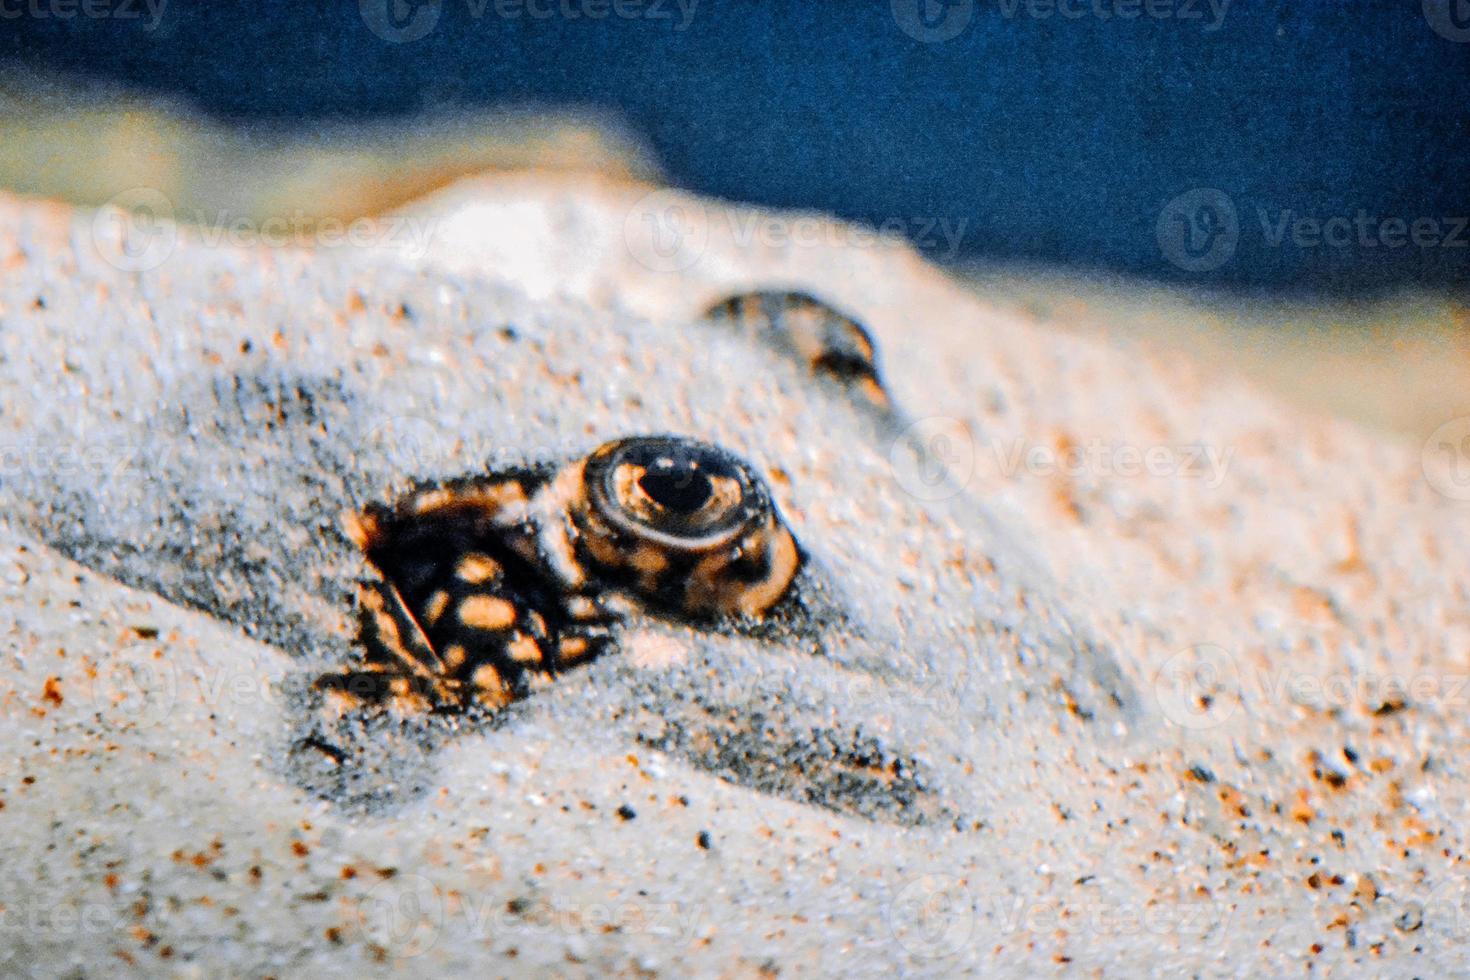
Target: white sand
1003, 764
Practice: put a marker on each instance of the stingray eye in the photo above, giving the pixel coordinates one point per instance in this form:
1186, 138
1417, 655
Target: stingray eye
684, 523
676, 493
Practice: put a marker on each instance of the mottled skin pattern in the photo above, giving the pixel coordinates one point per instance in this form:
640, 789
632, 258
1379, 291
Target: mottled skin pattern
483, 585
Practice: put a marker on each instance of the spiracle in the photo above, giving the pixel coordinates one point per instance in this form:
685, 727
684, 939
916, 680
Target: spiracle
824, 340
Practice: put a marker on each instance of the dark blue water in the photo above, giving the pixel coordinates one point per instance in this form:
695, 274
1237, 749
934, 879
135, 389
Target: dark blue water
1042, 132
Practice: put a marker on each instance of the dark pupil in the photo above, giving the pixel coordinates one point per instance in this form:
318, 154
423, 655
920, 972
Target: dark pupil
678, 485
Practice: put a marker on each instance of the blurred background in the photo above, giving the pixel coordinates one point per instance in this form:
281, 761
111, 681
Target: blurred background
1283, 191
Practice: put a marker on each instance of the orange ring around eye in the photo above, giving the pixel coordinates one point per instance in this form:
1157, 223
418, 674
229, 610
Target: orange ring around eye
678, 494
684, 522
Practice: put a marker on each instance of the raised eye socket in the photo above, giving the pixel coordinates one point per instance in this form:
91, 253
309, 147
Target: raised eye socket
677, 493
822, 339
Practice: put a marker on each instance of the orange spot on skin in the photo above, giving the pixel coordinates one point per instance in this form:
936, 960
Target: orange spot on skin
486, 612
491, 686
476, 569
524, 650
435, 607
